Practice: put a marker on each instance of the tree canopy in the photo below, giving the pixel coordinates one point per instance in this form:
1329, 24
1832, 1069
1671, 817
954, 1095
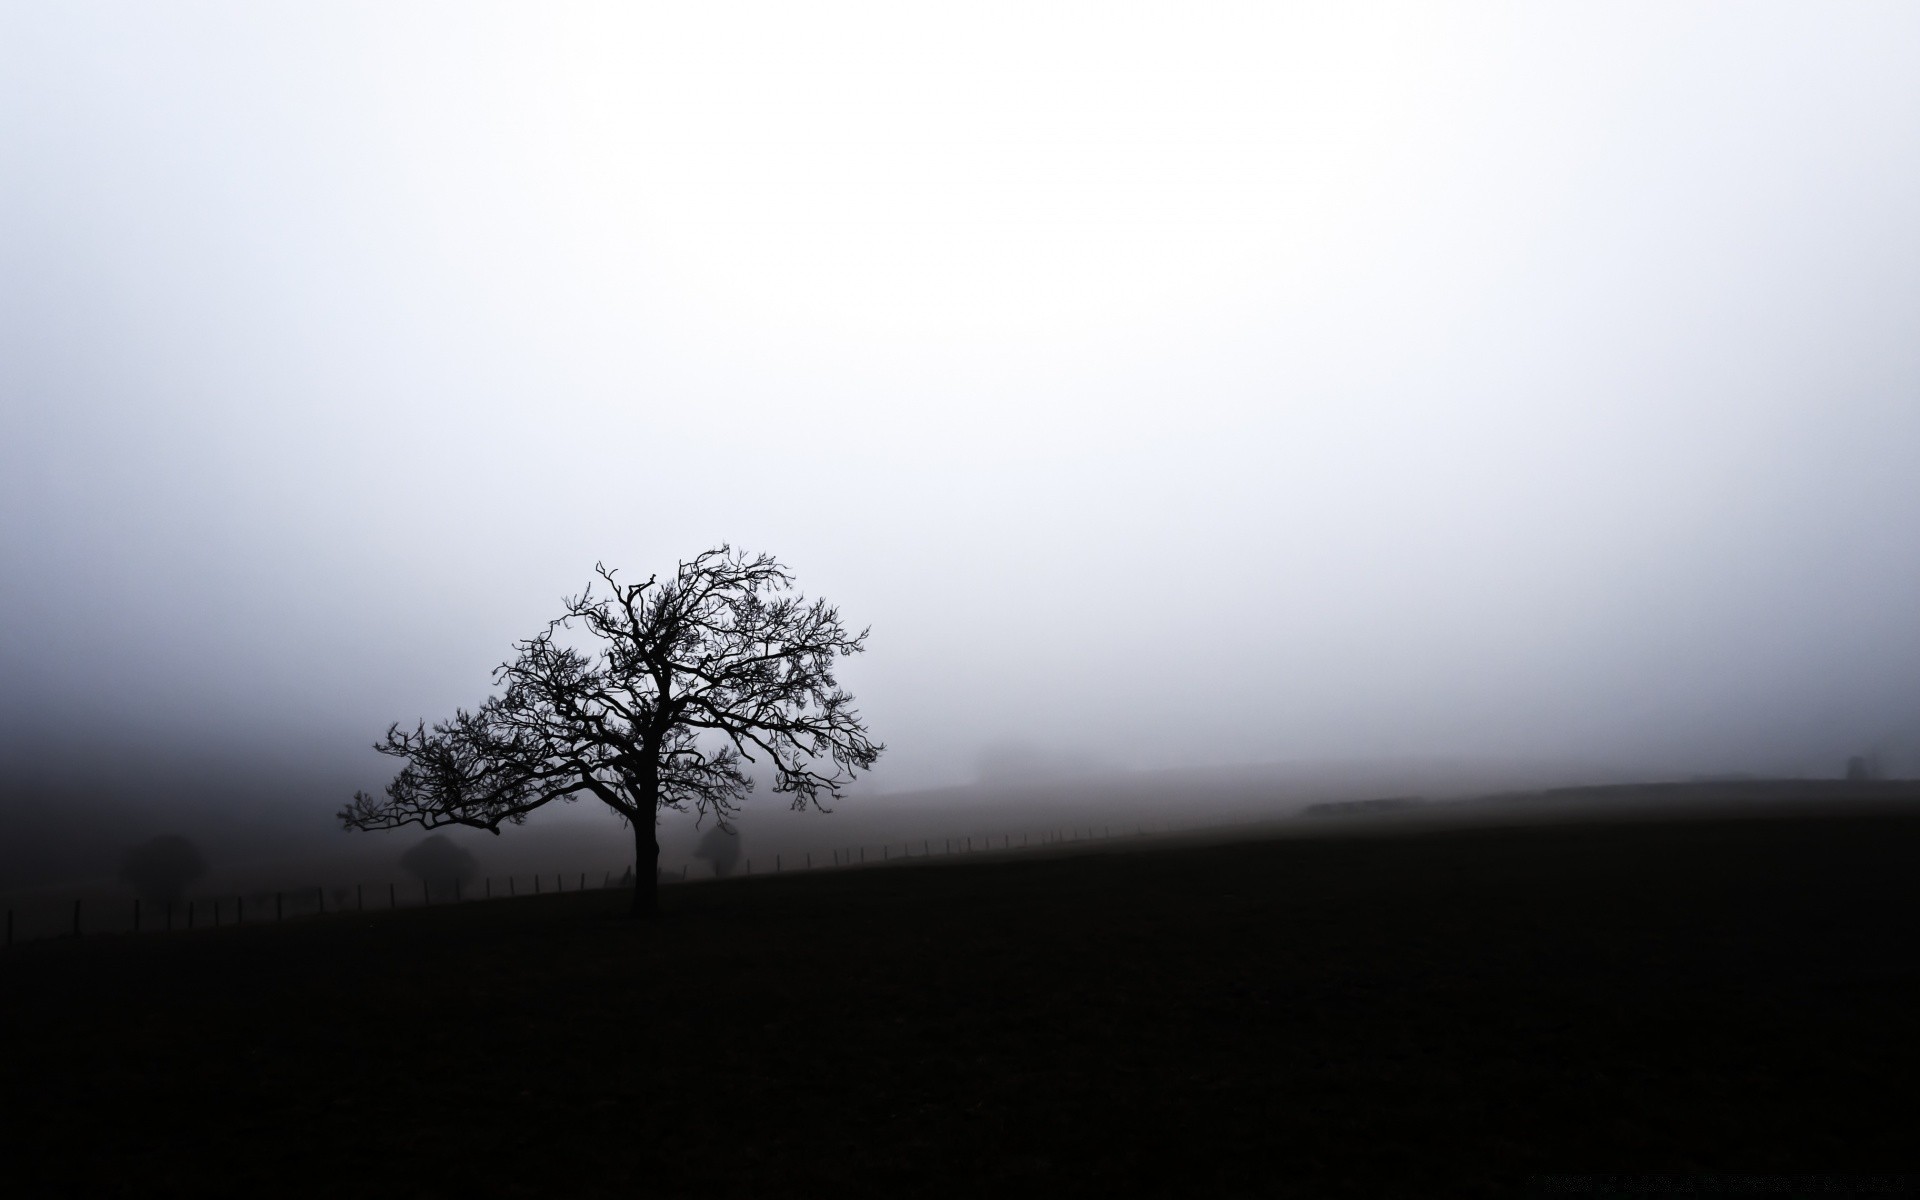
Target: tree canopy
650, 697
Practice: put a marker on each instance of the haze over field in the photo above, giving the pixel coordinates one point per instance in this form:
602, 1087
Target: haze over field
1526, 386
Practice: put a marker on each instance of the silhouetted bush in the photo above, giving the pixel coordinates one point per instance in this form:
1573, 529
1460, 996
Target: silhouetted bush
437, 860
160, 870
1347, 808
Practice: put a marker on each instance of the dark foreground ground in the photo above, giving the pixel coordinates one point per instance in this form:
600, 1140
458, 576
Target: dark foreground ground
1388, 1015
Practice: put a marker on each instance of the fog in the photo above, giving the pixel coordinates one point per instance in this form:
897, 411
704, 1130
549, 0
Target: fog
1527, 387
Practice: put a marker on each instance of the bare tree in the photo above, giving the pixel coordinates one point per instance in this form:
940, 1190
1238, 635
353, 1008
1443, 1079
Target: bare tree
649, 696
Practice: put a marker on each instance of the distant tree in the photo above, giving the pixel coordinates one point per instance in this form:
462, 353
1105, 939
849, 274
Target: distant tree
437, 860
161, 869
721, 847
672, 687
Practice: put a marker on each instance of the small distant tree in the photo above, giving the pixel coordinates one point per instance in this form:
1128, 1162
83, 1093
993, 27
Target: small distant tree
1863, 768
721, 847
648, 696
161, 869
438, 860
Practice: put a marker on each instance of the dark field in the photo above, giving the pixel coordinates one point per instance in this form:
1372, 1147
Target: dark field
1385, 1015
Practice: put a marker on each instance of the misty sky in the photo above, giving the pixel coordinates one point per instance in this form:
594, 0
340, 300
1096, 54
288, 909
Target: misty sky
1177, 384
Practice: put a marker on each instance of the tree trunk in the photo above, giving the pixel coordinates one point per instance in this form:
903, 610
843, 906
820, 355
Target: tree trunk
646, 863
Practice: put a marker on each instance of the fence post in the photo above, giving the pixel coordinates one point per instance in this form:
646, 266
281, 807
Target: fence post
489, 895
279, 907
884, 853
360, 896
924, 852
510, 890
426, 897
809, 860
606, 881
863, 854
583, 881
136, 914
776, 864
683, 872
456, 889
393, 900
320, 895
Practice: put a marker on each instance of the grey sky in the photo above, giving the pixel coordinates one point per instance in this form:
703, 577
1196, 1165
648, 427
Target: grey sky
1269, 382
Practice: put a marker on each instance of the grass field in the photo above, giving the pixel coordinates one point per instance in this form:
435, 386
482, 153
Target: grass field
1401, 1013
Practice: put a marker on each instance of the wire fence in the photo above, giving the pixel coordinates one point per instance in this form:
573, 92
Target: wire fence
104, 912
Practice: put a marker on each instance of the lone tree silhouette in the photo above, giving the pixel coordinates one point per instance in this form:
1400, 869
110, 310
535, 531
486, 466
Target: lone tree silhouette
680, 682
161, 868
721, 848
437, 859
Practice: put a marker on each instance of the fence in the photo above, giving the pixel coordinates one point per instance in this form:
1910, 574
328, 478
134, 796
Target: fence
47, 916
